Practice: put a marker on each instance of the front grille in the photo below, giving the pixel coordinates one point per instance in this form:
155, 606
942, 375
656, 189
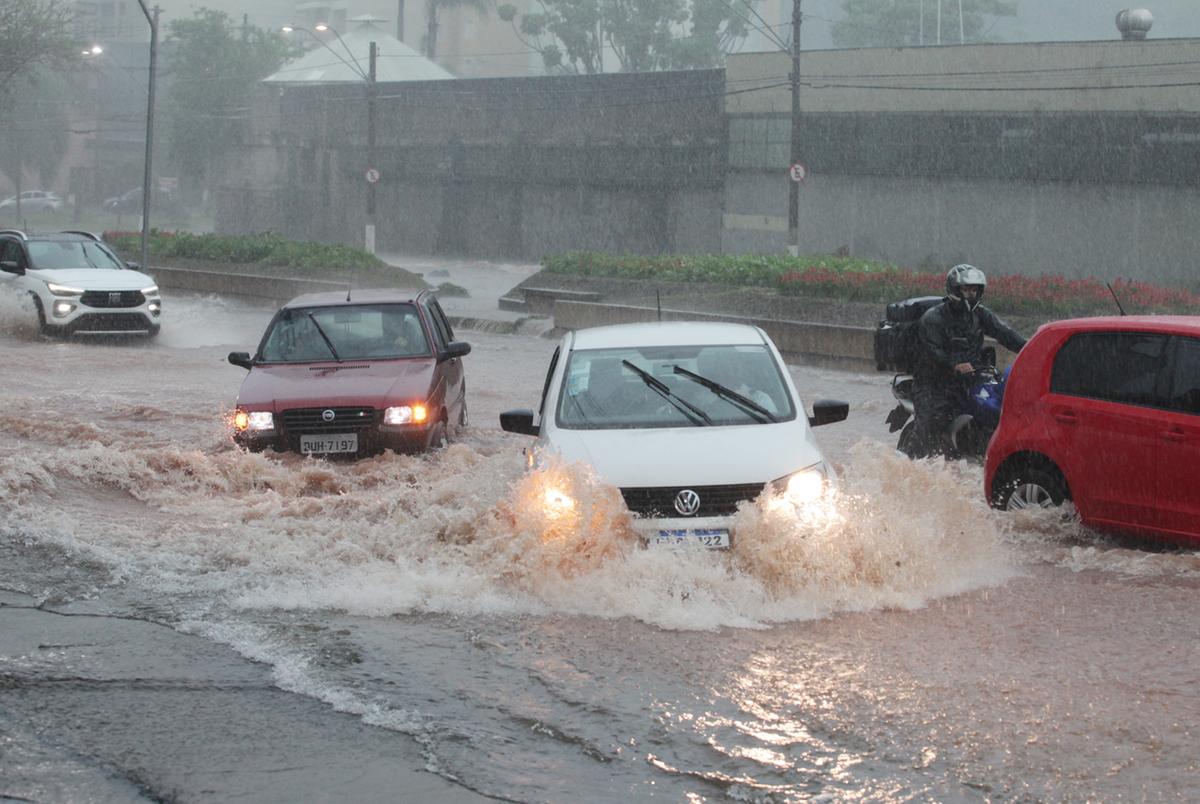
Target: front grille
111, 322
659, 501
311, 421
112, 298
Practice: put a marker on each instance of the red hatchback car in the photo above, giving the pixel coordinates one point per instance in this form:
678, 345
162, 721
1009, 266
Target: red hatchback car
1105, 412
353, 374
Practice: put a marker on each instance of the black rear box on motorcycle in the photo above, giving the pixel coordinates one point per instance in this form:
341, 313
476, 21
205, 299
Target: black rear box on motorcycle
896, 336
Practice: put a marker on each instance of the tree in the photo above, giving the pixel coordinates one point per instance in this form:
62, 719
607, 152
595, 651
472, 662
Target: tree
34, 33
213, 69
642, 35
433, 10
35, 132
899, 23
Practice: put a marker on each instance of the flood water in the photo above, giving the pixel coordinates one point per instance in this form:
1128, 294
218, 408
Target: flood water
904, 642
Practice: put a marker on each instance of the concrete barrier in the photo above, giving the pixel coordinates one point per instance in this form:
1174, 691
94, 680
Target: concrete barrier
820, 344
277, 289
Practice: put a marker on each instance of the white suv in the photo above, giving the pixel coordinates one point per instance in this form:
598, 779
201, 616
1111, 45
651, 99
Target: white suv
687, 419
76, 283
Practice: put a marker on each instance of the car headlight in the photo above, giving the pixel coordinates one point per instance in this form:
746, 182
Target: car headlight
803, 487
253, 420
153, 289
63, 290
405, 414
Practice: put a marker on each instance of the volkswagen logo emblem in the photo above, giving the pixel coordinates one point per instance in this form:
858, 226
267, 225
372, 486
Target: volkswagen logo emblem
328, 415
687, 502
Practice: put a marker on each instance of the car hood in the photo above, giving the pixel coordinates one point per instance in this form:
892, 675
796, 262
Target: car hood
95, 278
691, 456
377, 383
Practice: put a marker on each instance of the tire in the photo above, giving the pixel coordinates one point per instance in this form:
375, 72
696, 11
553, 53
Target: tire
40, 312
1031, 487
905, 442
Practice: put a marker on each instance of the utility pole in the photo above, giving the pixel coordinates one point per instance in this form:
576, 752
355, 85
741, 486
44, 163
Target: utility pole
794, 189
370, 232
147, 173
400, 20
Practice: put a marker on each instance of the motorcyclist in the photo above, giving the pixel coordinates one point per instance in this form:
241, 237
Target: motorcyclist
951, 351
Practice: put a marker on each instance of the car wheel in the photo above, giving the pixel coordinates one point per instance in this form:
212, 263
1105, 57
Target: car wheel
40, 312
905, 442
1032, 487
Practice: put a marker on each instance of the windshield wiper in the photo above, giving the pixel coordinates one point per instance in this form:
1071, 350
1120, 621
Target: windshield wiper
324, 337
694, 414
751, 408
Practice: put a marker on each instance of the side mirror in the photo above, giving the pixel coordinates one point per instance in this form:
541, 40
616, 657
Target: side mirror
828, 411
241, 359
518, 421
455, 349
11, 266
137, 266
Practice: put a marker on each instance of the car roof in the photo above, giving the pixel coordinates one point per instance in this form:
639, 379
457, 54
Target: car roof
336, 298
668, 333
1189, 324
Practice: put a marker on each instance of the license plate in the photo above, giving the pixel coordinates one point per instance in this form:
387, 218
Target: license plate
715, 538
330, 443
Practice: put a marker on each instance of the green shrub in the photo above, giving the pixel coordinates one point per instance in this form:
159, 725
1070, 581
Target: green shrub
266, 249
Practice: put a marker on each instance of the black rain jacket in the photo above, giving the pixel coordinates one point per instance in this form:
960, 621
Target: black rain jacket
951, 334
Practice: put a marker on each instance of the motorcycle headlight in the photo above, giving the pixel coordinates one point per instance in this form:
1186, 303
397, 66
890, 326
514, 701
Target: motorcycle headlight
63, 290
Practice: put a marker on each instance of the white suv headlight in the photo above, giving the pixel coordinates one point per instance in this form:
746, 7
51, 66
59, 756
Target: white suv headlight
153, 289
63, 290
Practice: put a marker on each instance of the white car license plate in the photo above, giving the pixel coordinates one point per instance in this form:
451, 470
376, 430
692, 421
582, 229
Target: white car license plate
330, 443
716, 538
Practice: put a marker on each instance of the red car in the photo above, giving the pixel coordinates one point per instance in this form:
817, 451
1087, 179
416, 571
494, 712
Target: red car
353, 374
1105, 412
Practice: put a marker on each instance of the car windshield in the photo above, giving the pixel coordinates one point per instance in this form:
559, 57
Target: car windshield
603, 388
355, 332
49, 255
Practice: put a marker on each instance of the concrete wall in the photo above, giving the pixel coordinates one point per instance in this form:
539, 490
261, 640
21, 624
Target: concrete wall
492, 167
1105, 230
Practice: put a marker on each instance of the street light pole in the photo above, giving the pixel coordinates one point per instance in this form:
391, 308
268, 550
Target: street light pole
369, 234
794, 189
147, 175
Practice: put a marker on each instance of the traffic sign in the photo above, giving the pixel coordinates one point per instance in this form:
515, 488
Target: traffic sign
372, 175
798, 172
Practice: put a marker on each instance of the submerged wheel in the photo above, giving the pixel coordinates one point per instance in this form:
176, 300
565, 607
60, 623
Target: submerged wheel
1031, 487
437, 436
905, 443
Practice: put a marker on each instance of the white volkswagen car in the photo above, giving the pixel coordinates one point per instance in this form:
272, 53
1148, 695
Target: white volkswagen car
687, 419
76, 283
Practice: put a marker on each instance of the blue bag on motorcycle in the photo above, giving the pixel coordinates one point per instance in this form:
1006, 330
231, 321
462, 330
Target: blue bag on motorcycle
896, 345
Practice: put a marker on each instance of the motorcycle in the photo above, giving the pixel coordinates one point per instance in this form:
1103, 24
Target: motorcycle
977, 412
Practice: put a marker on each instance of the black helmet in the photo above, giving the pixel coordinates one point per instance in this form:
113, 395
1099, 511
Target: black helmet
961, 277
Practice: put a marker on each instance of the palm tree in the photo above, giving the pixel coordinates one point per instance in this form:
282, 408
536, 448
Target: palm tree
435, 7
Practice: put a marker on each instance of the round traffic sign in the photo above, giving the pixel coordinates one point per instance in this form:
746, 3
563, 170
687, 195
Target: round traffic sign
372, 175
798, 172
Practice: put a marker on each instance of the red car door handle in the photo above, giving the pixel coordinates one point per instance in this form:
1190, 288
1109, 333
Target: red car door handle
1175, 434
1066, 417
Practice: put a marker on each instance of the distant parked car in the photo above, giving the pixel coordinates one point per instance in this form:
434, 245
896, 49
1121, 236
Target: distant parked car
130, 201
34, 201
76, 283
353, 374
1105, 412
687, 419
